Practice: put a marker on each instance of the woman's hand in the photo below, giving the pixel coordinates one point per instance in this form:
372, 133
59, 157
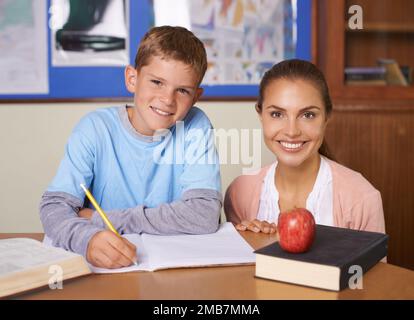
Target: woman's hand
107, 250
85, 213
257, 226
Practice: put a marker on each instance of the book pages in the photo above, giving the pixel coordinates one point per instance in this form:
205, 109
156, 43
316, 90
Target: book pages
18, 254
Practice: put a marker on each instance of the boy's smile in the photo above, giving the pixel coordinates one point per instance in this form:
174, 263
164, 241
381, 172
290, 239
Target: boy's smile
164, 91
161, 112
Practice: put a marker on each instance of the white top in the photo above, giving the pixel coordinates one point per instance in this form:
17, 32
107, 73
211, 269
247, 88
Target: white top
319, 201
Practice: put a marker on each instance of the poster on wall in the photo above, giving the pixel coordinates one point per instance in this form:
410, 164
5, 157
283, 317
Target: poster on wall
243, 38
23, 47
89, 32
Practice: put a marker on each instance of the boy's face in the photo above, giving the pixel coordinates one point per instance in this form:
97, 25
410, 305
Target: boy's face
164, 91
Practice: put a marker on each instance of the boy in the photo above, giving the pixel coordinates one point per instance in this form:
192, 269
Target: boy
119, 154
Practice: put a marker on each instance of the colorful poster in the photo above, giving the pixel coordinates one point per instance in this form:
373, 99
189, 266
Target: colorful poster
243, 38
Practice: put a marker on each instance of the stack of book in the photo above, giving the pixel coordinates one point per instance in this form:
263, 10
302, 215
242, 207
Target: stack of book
371, 76
395, 74
388, 72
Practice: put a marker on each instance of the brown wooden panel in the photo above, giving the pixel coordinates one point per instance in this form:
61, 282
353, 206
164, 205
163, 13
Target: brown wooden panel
380, 144
330, 45
389, 11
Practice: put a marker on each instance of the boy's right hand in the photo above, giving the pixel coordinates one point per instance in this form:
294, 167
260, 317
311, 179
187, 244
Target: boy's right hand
257, 226
107, 250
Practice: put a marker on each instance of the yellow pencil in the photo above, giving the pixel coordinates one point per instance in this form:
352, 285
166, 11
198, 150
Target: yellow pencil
101, 212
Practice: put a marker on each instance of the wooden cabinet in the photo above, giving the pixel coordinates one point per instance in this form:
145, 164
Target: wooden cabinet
372, 127
388, 32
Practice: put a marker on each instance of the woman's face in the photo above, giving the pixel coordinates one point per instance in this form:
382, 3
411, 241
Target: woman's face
294, 119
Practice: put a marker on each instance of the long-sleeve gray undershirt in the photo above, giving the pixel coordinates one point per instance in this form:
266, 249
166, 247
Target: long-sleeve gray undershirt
197, 212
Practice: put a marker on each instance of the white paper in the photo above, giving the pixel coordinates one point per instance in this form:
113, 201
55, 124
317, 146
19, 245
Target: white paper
23, 47
172, 13
226, 246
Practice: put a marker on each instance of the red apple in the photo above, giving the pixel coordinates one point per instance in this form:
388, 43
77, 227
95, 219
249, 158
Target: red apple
296, 230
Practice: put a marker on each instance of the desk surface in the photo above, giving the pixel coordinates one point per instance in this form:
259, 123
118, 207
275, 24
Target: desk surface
383, 281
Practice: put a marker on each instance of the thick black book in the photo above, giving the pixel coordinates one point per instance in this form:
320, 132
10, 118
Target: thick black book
336, 255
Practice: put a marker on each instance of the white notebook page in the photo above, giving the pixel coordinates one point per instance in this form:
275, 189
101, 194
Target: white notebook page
224, 247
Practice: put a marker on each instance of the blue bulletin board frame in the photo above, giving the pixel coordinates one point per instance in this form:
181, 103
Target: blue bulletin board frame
107, 83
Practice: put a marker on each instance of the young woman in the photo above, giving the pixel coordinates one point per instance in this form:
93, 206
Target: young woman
294, 107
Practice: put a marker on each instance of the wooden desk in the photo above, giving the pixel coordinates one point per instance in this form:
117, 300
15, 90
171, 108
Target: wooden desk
384, 281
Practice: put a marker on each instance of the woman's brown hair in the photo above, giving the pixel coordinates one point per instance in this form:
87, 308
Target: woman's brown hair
296, 69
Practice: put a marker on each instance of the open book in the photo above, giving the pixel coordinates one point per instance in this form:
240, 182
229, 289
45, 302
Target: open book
25, 263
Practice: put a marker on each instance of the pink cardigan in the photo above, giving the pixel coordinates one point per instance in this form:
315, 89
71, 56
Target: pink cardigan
356, 203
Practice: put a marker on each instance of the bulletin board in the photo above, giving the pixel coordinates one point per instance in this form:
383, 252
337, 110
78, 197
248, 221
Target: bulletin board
87, 83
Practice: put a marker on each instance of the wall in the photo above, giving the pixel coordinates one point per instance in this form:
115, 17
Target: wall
32, 140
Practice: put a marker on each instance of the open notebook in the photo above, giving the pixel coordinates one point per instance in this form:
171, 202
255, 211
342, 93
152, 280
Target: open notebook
225, 247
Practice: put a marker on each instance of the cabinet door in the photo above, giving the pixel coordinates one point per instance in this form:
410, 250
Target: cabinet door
365, 47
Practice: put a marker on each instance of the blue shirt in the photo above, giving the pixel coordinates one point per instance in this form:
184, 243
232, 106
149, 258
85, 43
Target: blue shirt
123, 169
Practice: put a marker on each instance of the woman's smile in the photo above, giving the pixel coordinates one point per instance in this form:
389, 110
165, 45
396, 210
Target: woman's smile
292, 146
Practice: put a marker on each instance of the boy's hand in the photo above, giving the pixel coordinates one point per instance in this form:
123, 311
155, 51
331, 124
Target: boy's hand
107, 250
257, 226
85, 213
